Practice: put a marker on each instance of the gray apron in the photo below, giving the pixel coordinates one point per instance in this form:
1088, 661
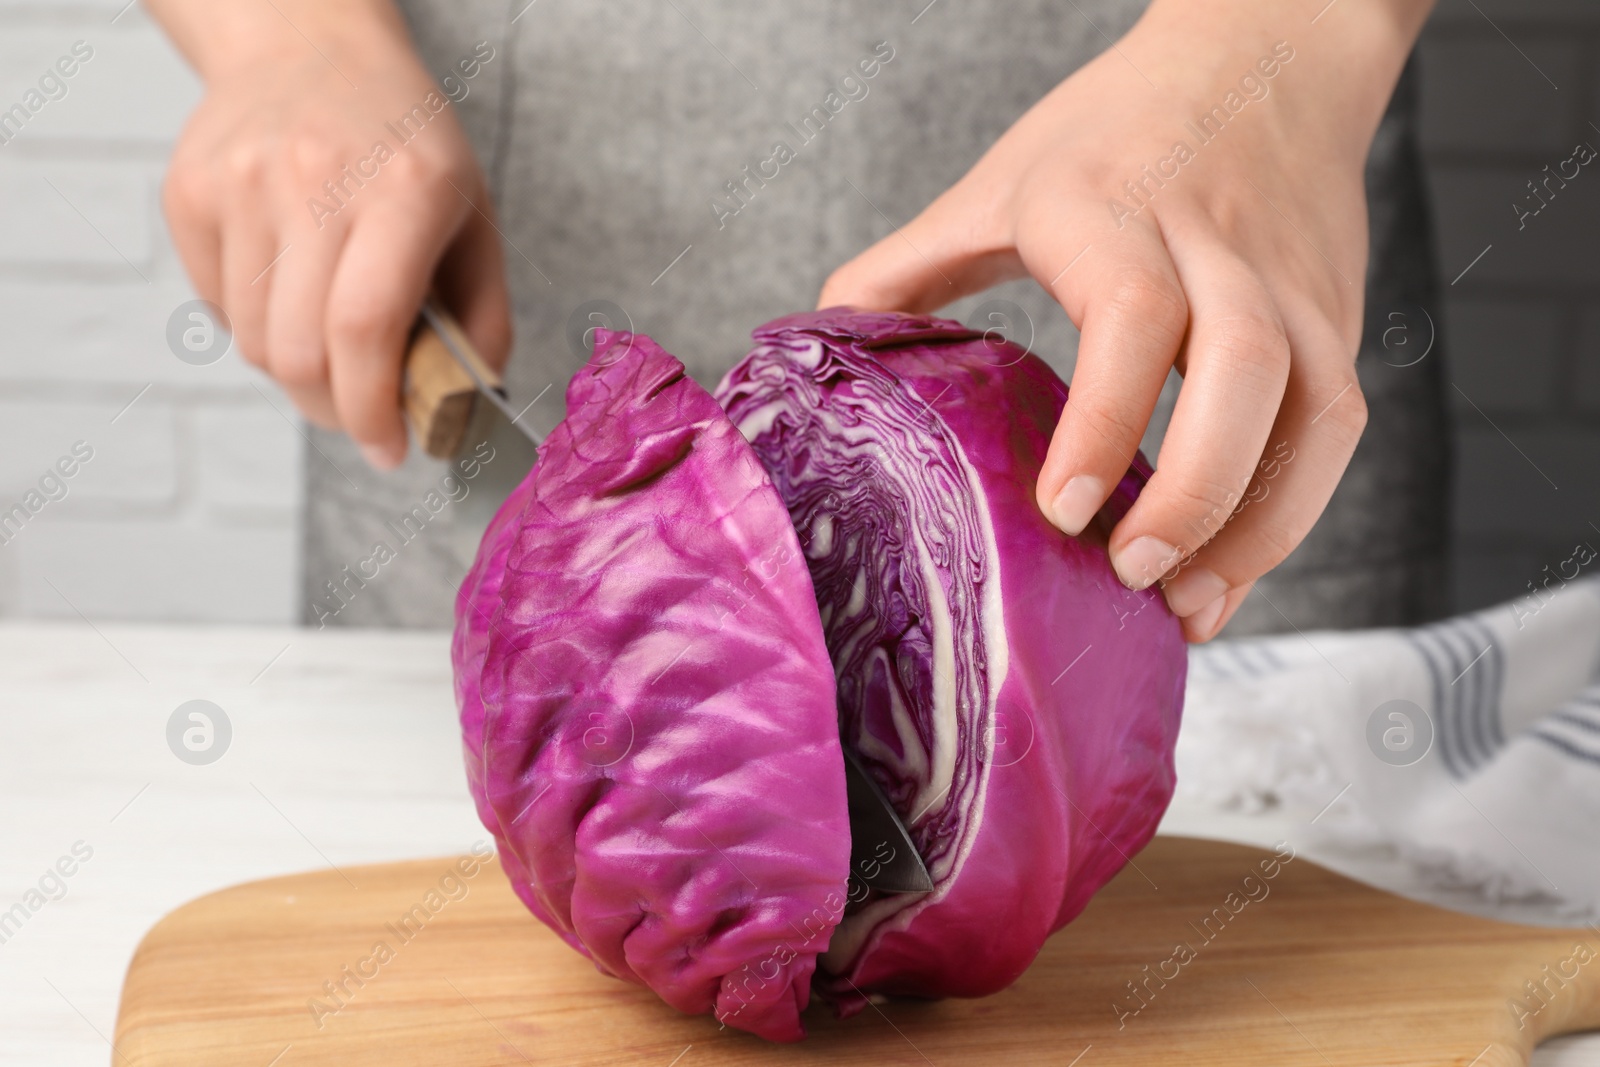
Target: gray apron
632, 150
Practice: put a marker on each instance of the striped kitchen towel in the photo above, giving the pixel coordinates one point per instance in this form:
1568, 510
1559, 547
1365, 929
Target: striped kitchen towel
1471, 746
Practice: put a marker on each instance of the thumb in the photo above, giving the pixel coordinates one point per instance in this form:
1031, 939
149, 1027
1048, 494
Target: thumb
938, 257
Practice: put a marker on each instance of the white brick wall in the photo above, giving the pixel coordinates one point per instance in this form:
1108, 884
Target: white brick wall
189, 507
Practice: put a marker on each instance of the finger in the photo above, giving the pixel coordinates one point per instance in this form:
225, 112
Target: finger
1237, 368
316, 404
297, 356
937, 257
471, 281
249, 256
383, 275
1206, 623
189, 203
1317, 428
1133, 315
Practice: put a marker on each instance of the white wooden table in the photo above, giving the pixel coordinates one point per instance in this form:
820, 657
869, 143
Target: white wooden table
344, 751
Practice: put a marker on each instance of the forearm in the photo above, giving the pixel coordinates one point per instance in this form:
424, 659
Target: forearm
218, 36
1347, 55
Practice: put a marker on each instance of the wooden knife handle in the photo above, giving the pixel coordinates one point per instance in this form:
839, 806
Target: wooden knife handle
438, 395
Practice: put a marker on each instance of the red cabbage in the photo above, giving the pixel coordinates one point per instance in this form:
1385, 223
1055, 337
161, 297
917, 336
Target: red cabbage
1016, 702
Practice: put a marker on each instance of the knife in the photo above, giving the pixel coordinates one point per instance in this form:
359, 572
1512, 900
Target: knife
882, 855
444, 377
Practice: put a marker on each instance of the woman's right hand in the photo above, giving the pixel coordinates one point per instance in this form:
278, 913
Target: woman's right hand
317, 198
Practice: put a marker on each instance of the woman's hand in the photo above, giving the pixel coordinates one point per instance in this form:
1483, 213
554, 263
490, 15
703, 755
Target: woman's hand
1193, 198
318, 192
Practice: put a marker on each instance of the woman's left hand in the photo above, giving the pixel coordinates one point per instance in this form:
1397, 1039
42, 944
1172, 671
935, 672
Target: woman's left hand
1235, 254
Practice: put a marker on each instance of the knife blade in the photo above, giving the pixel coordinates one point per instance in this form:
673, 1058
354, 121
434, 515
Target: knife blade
882, 855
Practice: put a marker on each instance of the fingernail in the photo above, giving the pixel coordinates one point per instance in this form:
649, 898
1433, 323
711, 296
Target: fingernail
382, 457
1201, 626
1193, 590
1143, 561
1077, 502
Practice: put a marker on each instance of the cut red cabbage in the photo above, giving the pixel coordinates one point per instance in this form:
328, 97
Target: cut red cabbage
1015, 701
652, 723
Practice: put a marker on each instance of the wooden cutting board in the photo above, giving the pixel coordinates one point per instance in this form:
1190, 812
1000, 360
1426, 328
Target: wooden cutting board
1200, 953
